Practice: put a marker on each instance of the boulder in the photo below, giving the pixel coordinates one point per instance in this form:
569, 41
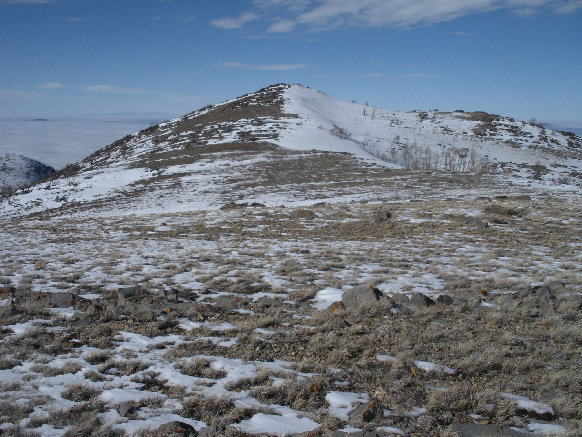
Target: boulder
361, 296
444, 299
421, 301
129, 294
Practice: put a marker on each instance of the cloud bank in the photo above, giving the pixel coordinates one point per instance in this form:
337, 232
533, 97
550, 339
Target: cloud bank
287, 15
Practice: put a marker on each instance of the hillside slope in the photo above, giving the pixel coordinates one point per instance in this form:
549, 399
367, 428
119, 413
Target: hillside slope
17, 171
288, 144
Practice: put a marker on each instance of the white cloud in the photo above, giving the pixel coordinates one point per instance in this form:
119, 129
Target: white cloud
569, 6
281, 26
52, 86
287, 15
24, 2
110, 89
273, 67
234, 23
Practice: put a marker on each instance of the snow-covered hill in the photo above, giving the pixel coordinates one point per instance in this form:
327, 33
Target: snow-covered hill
17, 171
283, 145
456, 141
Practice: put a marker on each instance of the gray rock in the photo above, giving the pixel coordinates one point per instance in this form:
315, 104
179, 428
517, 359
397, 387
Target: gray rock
177, 429
269, 302
444, 299
60, 299
400, 299
129, 294
211, 431
227, 302
127, 408
354, 434
361, 296
469, 430
363, 413
420, 300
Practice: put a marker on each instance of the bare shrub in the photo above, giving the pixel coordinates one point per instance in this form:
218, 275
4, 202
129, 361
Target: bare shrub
79, 392
215, 411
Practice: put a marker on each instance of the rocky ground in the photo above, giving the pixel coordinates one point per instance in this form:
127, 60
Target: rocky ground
449, 316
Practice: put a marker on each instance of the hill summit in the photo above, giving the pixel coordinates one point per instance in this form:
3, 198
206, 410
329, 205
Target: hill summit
291, 144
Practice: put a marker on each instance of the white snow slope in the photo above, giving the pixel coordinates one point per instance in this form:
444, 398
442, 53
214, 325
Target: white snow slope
17, 171
304, 119
427, 136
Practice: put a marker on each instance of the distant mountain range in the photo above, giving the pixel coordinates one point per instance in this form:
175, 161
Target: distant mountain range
289, 144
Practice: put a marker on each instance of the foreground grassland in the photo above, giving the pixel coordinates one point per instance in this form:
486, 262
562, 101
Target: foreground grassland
223, 318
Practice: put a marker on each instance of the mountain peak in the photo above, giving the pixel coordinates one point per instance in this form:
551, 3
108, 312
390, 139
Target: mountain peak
270, 147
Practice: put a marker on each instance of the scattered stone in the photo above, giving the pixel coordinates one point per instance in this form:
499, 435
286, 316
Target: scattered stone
227, 302
361, 296
130, 293
470, 430
127, 408
60, 299
354, 434
178, 429
268, 302
444, 299
363, 413
420, 300
400, 299
211, 431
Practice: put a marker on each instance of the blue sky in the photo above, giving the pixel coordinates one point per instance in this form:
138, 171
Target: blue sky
521, 58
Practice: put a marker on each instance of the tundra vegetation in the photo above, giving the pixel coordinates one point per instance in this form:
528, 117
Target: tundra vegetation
234, 317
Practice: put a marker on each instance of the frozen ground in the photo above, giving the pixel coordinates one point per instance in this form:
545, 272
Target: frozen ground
201, 274
230, 325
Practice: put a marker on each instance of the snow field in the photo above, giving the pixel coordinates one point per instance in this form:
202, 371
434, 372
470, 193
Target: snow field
249, 281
